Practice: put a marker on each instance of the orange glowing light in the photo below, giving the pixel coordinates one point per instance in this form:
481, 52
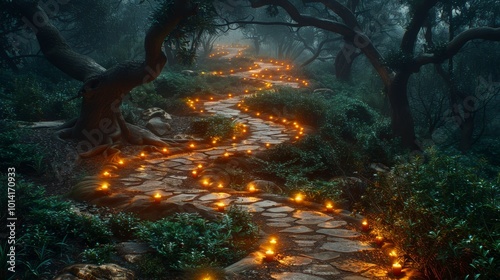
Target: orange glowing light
329, 207
268, 145
396, 269
205, 183
284, 120
252, 188
191, 146
220, 186
106, 173
271, 117
104, 186
194, 172
226, 154
200, 166
143, 155
393, 254
258, 114
299, 198
273, 241
120, 162
221, 206
269, 255
157, 197
364, 225
379, 240
249, 151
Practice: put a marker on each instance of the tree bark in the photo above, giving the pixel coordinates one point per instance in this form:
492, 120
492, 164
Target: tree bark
101, 123
401, 118
343, 62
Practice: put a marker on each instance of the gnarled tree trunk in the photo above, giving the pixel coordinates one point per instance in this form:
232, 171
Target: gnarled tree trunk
101, 123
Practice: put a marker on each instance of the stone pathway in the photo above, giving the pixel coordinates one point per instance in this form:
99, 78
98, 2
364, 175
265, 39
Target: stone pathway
312, 243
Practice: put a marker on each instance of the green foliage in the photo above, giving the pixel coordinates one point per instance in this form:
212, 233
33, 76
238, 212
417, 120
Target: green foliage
14, 153
174, 84
349, 135
124, 225
442, 213
31, 98
98, 255
188, 241
214, 127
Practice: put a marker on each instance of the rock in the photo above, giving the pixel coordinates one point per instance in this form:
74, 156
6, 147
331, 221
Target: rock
379, 167
90, 271
158, 126
155, 112
189, 73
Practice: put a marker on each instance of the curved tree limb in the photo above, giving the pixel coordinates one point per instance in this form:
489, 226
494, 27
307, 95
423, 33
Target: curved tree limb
454, 46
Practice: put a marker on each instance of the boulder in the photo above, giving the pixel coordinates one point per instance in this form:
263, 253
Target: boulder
158, 126
155, 112
98, 272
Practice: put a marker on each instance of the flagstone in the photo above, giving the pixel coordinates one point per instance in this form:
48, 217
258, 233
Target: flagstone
353, 265
332, 224
346, 246
266, 203
250, 199
322, 270
294, 276
295, 260
280, 209
324, 256
297, 229
182, 198
214, 196
274, 215
344, 233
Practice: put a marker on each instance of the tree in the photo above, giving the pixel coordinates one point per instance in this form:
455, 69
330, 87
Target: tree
101, 124
405, 61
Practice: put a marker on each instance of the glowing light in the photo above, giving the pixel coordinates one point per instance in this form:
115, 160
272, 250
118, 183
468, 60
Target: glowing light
365, 226
268, 145
157, 197
120, 162
396, 269
258, 114
143, 155
329, 207
252, 188
226, 154
273, 241
221, 206
379, 240
269, 255
195, 173
200, 166
106, 174
299, 198
205, 183
104, 187
249, 151
220, 186
191, 146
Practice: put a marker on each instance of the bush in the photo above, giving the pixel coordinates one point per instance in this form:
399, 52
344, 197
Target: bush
124, 225
187, 241
14, 153
442, 214
350, 134
214, 128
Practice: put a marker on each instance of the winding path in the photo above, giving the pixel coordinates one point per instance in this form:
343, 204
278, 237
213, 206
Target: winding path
312, 243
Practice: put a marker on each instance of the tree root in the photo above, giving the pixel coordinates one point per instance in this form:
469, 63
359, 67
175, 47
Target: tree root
110, 143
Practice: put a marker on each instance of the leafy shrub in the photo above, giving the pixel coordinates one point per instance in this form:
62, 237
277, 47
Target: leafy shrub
188, 241
31, 98
214, 128
98, 255
349, 136
124, 225
441, 213
14, 153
